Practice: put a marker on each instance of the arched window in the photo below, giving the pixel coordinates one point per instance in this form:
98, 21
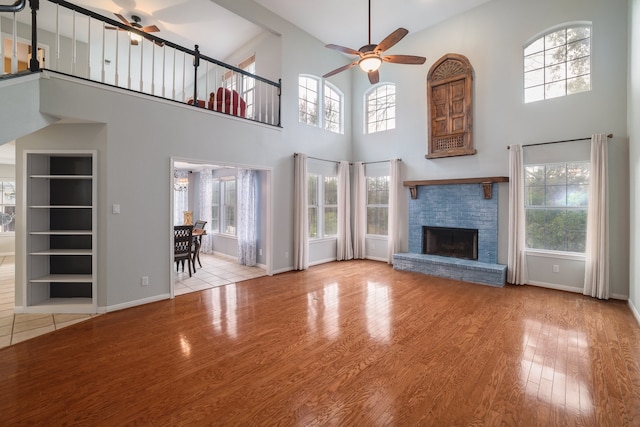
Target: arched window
380, 108
327, 114
558, 62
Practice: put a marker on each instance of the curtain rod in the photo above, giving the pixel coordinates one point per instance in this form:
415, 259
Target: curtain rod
609, 136
335, 161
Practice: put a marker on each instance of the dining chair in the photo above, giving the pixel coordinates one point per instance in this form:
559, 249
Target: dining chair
183, 246
197, 240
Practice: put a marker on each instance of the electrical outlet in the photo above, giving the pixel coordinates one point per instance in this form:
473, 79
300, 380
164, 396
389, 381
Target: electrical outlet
260, 252
144, 281
556, 268
286, 254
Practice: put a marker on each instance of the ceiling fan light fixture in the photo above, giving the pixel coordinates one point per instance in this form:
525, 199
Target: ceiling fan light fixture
135, 37
369, 63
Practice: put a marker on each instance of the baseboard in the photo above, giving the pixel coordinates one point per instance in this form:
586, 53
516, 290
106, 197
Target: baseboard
570, 289
323, 261
634, 311
135, 303
374, 258
282, 270
555, 286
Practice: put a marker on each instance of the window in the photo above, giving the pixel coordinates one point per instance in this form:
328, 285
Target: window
556, 200
377, 205
332, 108
228, 213
249, 84
215, 206
380, 102
328, 114
308, 100
322, 205
8, 207
558, 63
330, 206
312, 193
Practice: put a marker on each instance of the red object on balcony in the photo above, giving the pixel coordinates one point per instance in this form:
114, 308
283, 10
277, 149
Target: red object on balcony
228, 102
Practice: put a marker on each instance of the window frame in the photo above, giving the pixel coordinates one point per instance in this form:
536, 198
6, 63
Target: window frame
566, 207
320, 206
3, 205
366, 122
322, 89
377, 205
545, 68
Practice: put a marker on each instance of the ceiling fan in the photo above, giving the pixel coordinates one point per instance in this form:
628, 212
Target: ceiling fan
370, 56
135, 23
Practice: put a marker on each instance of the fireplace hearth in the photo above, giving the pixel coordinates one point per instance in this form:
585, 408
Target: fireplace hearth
450, 242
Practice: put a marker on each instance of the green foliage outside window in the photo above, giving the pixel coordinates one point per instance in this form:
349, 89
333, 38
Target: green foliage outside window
378, 205
556, 201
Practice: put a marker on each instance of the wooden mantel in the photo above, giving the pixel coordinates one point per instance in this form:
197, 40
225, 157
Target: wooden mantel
486, 183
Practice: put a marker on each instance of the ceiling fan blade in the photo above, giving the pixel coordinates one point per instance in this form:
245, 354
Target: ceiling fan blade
374, 77
134, 42
123, 19
391, 39
341, 69
344, 49
404, 59
150, 29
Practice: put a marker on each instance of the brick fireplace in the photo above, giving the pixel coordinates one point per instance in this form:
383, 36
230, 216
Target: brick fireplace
464, 209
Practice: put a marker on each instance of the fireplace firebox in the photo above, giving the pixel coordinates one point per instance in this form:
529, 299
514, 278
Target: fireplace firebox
451, 242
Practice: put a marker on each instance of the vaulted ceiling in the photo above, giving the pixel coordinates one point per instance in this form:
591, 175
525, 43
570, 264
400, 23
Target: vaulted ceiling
220, 32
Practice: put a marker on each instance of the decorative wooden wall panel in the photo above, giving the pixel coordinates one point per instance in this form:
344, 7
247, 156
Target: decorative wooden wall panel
449, 97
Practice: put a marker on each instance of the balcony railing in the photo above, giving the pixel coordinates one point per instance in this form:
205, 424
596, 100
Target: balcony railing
78, 42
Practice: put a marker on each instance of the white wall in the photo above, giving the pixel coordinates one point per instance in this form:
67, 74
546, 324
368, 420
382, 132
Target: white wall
492, 36
633, 113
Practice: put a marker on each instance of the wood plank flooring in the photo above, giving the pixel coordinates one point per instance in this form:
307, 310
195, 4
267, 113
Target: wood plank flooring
351, 343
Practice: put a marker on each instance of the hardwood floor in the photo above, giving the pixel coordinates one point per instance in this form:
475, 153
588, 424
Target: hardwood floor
348, 343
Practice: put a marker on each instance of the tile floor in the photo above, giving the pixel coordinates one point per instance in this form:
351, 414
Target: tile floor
14, 328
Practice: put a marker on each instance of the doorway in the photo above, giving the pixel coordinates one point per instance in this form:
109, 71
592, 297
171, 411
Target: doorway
207, 191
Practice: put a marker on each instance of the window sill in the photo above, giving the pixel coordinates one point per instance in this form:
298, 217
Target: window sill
376, 237
576, 256
322, 239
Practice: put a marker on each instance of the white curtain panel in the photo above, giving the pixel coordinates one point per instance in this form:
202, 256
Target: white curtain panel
345, 247
206, 187
180, 198
516, 261
596, 275
300, 213
247, 209
360, 214
393, 236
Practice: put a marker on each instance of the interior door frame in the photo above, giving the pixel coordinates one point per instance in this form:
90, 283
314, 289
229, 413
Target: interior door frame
268, 197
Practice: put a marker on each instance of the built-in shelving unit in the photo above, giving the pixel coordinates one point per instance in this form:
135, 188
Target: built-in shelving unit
61, 194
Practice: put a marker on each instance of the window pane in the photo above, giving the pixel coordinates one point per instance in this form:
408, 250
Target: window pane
377, 219
579, 84
330, 190
577, 33
536, 46
534, 78
381, 108
534, 94
8, 193
565, 55
561, 225
331, 221
312, 189
556, 174
554, 90
313, 222
555, 73
554, 39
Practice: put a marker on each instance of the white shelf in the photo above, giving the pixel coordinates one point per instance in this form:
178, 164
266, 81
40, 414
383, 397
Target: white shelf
61, 176
62, 233
60, 199
63, 252
64, 278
